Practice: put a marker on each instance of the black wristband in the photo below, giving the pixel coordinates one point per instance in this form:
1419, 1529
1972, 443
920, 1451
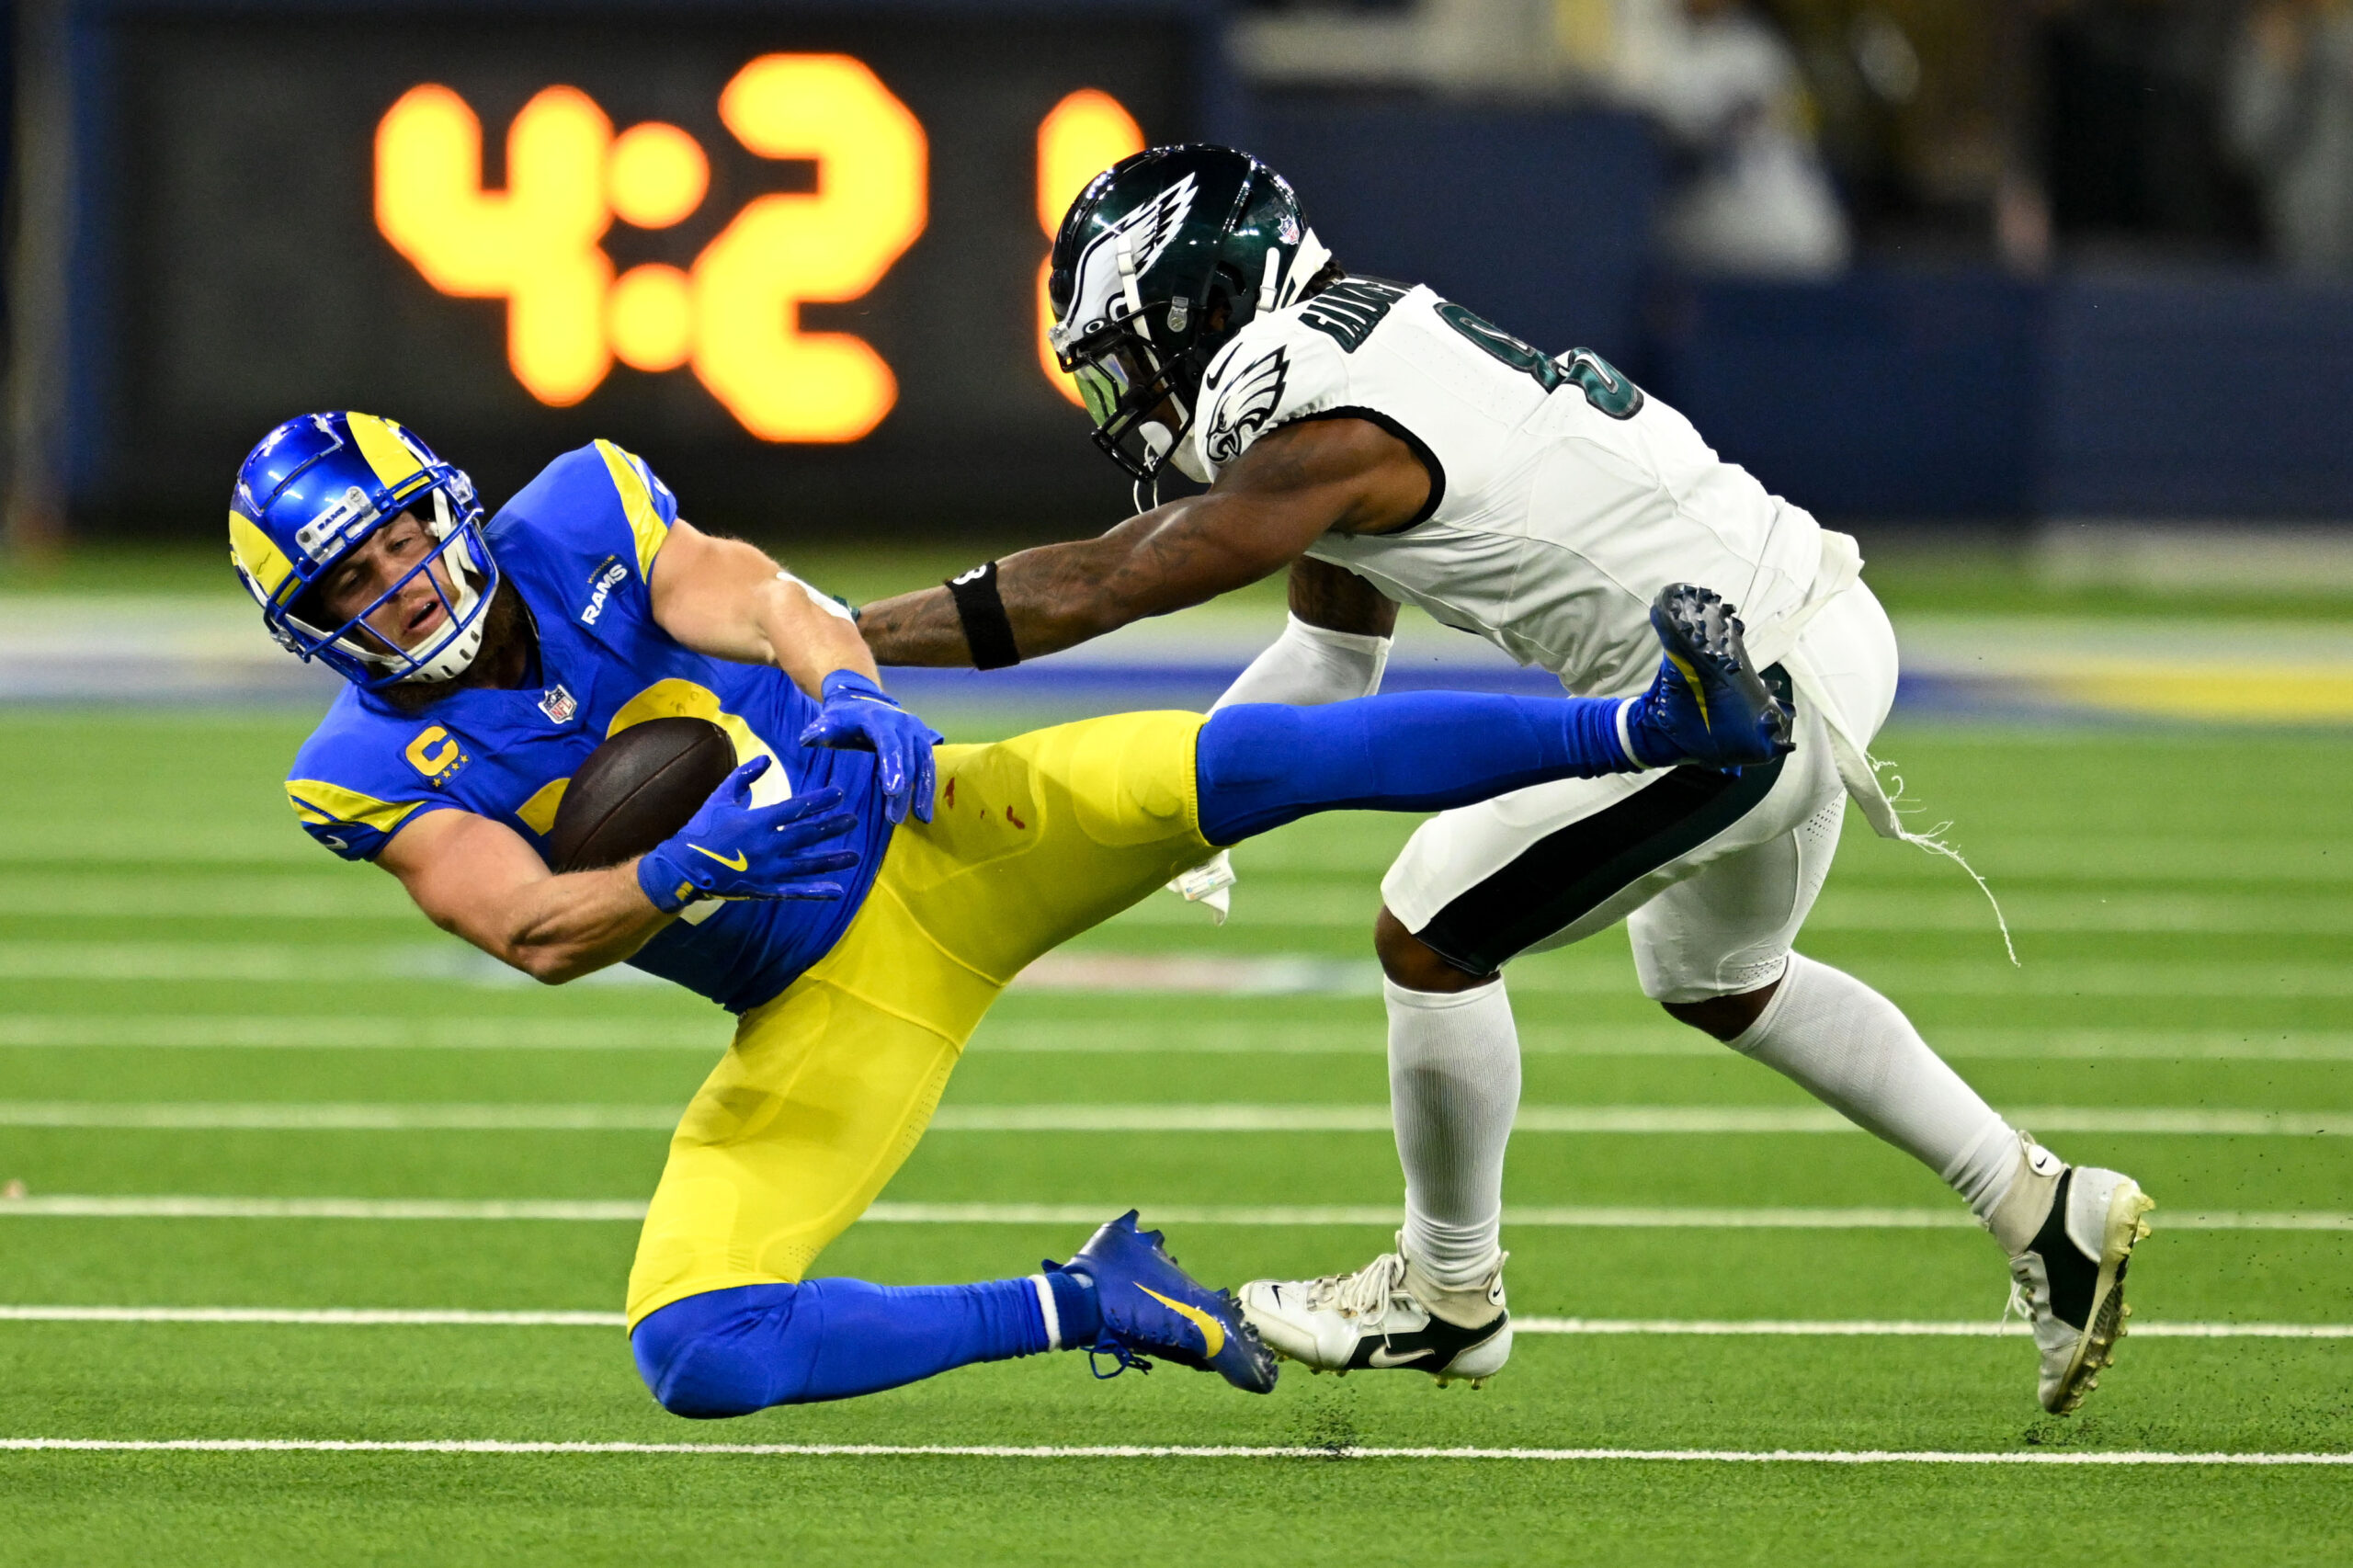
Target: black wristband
986, 630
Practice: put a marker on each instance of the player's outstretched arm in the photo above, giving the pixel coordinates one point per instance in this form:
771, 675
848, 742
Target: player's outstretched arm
478, 878
1293, 485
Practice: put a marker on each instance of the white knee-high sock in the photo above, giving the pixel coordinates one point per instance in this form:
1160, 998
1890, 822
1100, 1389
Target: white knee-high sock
1855, 1051
1453, 1089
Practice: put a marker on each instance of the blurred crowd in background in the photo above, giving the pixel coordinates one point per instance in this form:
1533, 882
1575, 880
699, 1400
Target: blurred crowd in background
1806, 131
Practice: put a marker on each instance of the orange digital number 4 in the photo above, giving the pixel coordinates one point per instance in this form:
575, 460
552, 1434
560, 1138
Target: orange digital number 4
537, 244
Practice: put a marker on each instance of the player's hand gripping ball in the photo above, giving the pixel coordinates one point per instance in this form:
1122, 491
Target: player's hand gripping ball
731, 848
636, 789
860, 716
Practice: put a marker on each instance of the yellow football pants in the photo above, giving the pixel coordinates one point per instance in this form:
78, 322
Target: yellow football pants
825, 1089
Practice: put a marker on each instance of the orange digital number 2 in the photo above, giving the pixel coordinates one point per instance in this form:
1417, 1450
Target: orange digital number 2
783, 383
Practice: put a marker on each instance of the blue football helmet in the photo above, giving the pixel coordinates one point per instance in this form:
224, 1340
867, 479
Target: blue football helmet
311, 493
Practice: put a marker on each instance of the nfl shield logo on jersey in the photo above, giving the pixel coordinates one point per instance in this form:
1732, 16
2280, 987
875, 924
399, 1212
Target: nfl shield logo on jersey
558, 704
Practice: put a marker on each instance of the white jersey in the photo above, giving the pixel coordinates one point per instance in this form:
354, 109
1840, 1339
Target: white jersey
1561, 498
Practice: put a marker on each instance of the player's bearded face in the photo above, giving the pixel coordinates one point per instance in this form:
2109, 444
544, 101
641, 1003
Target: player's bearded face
406, 619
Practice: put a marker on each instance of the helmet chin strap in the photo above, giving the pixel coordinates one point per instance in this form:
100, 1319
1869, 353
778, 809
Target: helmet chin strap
1187, 462
461, 639
1166, 449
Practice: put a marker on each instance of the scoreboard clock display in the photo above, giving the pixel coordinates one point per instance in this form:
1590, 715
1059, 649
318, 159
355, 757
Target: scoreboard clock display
795, 257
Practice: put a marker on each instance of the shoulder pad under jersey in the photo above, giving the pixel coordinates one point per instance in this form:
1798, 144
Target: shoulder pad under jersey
1273, 371
1291, 364
596, 499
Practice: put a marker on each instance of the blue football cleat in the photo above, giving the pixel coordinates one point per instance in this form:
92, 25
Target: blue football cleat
1150, 1307
1708, 706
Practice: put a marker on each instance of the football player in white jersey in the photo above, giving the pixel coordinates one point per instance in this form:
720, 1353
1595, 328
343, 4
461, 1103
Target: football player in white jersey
1388, 446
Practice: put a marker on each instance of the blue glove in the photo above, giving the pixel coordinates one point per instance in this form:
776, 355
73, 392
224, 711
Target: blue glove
859, 716
731, 848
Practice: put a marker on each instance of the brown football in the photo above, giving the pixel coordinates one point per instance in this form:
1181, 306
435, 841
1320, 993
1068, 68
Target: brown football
636, 790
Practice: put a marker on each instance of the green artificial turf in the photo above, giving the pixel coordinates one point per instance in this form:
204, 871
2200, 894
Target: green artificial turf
167, 936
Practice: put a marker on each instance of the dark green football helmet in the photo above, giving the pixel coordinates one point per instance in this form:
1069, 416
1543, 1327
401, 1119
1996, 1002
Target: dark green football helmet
1161, 260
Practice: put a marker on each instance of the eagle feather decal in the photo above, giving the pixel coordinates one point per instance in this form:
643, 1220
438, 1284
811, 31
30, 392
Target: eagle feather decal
1245, 403
1095, 293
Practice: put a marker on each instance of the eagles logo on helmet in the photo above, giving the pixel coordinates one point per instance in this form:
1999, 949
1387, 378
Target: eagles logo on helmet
1161, 260
311, 493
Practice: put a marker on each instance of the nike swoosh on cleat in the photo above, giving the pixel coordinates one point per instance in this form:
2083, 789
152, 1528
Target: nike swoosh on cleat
1384, 1356
742, 858
1691, 681
1212, 1331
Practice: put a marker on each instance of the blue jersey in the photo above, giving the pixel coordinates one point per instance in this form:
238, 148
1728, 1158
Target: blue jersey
577, 544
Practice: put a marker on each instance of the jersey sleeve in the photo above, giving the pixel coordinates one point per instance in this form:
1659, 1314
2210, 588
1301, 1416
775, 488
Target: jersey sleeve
353, 786
646, 505
1273, 372
599, 516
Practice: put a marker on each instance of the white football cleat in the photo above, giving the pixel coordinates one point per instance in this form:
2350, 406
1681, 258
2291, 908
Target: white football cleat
2069, 1282
1387, 1315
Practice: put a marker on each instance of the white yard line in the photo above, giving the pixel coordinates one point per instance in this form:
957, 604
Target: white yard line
385, 1116
706, 1034
1172, 1451
404, 1317
2007, 1328
520, 1117
622, 1211
1255, 1216
317, 1317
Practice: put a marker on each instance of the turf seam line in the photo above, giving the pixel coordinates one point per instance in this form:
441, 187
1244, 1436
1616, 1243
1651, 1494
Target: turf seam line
1139, 1450
351, 1317
1255, 1216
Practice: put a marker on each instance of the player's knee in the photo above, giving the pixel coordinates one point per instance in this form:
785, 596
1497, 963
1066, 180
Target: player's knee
1724, 1018
715, 1355
1413, 963
1249, 768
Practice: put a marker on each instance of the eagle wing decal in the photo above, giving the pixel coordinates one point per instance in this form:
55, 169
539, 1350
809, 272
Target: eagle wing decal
1245, 403
1096, 295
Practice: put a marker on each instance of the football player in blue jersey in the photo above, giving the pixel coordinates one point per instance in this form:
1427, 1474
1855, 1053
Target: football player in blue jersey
855, 892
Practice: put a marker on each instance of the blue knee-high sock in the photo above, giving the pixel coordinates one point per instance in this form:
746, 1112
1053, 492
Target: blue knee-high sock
733, 1352
1262, 765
